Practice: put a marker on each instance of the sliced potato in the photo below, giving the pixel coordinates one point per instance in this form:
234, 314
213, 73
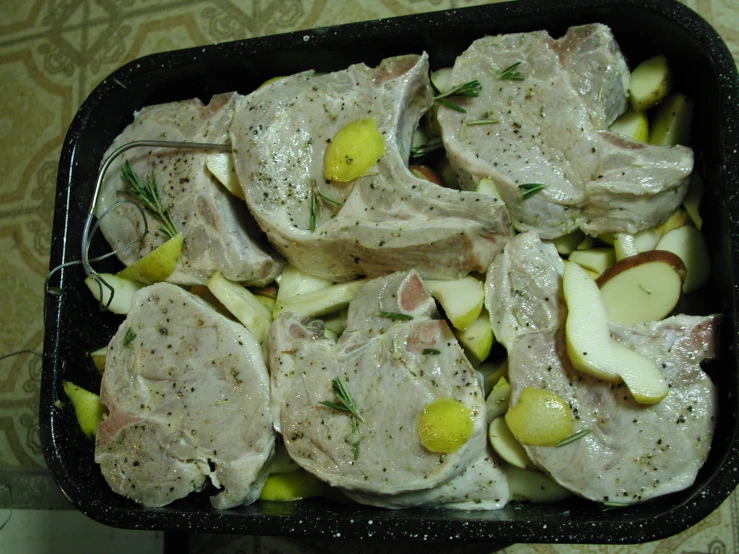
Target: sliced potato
491, 372
289, 487
462, 299
282, 462
540, 418
692, 200
244, 306
672, 121
294, 281
567, 244
320, 302
678, 218
98, 358
221, 165
87, 408
445, 425
477, 339
157, 265
644, 287
357, 147
596, 259
534, 486
624, 246
690, 246
646, 239
123, 291
487, 186
441, 78
425, 172
506, 446
632, 124
650, 83
590, 347
587, 243
497, 401
336, 321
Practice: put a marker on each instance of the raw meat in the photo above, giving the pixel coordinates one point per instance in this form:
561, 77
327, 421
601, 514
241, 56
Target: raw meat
551, 130
384, 221
189, 401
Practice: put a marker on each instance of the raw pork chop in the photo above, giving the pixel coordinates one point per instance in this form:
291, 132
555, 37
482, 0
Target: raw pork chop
633, 452
188, 400
384, 221
393, 368
552, 131
219, 233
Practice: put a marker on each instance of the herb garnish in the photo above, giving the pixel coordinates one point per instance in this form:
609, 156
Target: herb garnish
530, 189
418, 152
482, 122
345, 404
612, 505
128, 337
431, 351
147, 193
572, 438
510, 73
396, 315
471, 88
313, 210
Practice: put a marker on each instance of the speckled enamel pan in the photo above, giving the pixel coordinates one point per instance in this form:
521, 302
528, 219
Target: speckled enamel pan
75, 325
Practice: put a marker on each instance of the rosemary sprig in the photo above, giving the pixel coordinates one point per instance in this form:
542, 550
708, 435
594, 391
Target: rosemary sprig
329, 200
530, 189
396, 315
346, 402
147, 193
128, 337
482, 122
469, 89
572, 438
510, 73
313, 210
431, 351
418, 152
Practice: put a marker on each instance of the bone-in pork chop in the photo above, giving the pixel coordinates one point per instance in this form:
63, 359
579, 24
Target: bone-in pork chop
188, 398
551, 131
384, 221
219, 233
393, 366
633, 451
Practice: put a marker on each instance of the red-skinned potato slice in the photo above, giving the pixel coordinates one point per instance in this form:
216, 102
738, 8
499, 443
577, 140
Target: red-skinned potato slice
641, 288
425, 172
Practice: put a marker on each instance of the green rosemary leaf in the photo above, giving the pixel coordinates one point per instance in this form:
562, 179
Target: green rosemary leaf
510, 73
418, 152
431, 351
335, 406
452, 105
530, 189
468, 89
482, 122
128, 337
572, 438
313, 211
396, 315
147, 192
329, 200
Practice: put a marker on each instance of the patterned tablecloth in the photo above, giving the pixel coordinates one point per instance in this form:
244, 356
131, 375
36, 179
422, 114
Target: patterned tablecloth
52, 54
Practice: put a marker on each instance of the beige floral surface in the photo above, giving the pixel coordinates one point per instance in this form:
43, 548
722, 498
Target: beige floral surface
52, 54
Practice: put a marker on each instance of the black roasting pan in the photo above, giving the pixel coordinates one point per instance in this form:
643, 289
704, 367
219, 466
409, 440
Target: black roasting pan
74, 324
